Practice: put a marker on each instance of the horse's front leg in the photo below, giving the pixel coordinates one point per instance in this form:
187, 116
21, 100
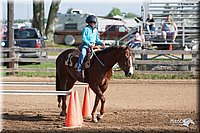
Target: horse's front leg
100, 116
103, 89
99, 96
94, 116
64, 106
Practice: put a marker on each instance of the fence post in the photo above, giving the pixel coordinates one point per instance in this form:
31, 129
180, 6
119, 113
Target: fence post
194, 67
144, 57
133, 60
117, 42
183, 39
16, 57
10, 34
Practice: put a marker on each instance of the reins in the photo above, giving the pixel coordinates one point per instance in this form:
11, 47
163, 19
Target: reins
93, 53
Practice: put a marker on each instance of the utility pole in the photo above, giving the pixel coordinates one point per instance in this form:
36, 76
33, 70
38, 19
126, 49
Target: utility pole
10, 33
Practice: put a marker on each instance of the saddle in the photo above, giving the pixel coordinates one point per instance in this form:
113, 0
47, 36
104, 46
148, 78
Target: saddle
72, 59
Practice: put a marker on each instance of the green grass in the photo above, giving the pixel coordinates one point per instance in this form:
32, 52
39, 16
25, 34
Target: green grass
38, 74
43, 65
117, 74
49, 45
154, 76
35, 74
163, 76
53, 45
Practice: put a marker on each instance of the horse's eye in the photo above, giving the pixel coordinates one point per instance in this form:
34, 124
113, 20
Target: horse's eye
127, 55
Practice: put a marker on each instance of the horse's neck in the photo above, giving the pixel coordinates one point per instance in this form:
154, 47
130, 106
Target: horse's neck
110, 58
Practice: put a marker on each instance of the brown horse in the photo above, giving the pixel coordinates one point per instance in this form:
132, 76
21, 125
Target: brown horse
97, 75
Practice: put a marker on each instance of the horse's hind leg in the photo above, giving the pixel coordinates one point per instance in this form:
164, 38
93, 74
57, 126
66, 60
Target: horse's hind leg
70, 83
57, 89
61, 81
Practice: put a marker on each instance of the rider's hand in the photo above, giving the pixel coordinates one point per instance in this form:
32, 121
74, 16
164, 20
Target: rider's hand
96, 47
92, 46
103, 45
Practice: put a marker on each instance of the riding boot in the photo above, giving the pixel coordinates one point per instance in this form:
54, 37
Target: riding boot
79, 73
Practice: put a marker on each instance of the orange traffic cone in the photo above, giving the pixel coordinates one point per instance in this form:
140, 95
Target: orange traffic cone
78, 109
88, 102
74, 117
170, 46
86, 110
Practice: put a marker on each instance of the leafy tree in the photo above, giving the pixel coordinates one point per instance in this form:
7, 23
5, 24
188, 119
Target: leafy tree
115, 11
130, 15
69, 10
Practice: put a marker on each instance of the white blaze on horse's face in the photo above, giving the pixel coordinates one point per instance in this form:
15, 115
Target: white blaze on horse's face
128, 63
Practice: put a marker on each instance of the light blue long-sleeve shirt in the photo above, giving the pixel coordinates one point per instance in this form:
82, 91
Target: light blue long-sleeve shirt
90, 36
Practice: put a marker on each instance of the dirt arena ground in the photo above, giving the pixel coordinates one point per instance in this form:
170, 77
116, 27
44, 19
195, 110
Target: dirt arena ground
131, 106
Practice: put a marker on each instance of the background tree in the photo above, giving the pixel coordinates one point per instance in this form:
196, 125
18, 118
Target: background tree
115, 11
38, 15
130, 15
69, 10
51, 21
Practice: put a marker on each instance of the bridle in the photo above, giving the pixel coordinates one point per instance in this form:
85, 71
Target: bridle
124, 66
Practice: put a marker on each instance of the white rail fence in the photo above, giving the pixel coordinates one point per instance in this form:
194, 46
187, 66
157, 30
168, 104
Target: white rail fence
146, 57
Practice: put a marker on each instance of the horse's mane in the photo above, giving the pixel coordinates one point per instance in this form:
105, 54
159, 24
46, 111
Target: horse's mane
109, 49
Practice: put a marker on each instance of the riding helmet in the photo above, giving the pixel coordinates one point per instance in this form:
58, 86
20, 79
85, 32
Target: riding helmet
91, 18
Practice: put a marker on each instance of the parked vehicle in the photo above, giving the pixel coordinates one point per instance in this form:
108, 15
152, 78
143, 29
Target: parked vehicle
70, 25
114, 32
27, 38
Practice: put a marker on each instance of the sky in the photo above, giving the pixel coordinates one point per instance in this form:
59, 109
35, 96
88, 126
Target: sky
23, 8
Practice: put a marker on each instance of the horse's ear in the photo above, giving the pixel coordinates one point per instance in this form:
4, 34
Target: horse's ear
124, 46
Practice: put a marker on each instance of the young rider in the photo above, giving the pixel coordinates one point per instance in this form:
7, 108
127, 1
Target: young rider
90, 37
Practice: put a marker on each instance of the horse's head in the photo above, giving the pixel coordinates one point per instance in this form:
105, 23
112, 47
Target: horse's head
125, 61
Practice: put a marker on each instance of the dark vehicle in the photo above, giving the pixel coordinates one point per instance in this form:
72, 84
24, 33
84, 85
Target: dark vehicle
27, 38
114, 32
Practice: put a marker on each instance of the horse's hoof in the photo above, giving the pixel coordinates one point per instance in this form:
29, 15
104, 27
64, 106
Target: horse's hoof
95, 120
62, 114
99, 117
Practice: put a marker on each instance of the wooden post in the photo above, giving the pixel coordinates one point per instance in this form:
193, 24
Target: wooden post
10, 33
16, 56
117, 42
183, 39
144, 57
193, 68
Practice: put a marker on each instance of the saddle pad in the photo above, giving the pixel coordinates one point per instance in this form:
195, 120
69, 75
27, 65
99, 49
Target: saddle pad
73, 58
74, 54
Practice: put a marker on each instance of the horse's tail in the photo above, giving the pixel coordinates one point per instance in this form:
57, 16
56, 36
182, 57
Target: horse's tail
58, 89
